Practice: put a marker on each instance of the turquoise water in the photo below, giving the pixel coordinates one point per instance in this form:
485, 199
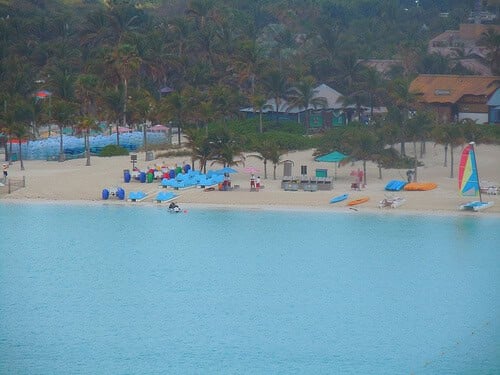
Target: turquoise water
136, 290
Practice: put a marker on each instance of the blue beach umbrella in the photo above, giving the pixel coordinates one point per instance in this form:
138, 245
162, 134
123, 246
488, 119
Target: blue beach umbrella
226, 170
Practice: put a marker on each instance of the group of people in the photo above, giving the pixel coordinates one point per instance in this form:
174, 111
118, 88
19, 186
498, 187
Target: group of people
254, 183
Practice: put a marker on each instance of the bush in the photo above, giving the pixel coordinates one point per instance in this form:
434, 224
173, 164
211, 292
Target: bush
113, 150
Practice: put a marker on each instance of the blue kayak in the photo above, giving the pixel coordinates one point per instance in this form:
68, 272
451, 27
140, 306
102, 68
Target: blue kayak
395, 185
339, 198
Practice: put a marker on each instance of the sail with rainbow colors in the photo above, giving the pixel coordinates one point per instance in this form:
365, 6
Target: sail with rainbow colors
468, 180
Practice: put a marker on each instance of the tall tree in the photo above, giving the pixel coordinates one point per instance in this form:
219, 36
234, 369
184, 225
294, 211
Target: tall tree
304, 96
449, 134
404, 101
85, 124
64, 114
276, 86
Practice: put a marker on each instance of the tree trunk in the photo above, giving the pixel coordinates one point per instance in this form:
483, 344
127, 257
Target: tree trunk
87, 148
10, 151
6, 151
422, 149
125, 94
274, 171
260, 122
265, 169
145, 140
117, 133
379, 171
451, 161
61, 149
179, 125
415, 164
21, 155
445, 155
364, 172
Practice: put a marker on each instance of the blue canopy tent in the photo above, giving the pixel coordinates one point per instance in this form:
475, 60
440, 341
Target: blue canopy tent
333, 157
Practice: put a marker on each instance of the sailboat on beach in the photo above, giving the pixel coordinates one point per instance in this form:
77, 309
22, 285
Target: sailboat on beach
468, 180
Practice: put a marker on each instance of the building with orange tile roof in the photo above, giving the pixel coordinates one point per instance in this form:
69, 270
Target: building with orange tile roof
455, 97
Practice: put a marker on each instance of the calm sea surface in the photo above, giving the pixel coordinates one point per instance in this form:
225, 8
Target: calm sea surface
136, 290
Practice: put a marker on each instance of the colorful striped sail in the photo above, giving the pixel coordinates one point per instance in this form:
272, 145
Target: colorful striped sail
468, 180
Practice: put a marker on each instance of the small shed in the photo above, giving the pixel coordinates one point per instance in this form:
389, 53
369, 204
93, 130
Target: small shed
494, 108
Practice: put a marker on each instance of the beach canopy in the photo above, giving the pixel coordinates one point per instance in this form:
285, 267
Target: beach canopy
332, 157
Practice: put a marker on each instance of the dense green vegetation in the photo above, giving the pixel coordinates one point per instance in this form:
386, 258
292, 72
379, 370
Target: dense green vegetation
107, 61
113, 150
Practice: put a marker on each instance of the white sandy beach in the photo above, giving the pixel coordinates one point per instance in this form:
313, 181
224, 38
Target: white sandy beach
73, 181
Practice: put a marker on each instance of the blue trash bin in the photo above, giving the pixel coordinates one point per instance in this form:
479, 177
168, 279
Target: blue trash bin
120, 193
126, 175
105, 194
142, 177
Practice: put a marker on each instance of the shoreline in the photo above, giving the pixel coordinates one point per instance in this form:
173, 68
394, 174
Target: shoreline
260, 207
71, 182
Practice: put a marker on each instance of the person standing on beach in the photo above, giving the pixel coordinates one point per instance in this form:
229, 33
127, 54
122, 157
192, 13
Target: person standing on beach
257, 183
5, 173
252, 182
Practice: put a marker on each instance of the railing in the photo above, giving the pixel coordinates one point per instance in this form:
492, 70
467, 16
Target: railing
12, 185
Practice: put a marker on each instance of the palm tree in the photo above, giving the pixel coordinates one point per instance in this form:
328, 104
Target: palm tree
449, 134
175, 106
64, 113
404, 102
226, 147
259, 104
268, 150
112, 101
362, 143
198, 143
224, 102
20, 117
85, 125
276, 86
86, 90
304, 96
125, 61
373, 85
349, 69
491, 40
20, 131
418, 129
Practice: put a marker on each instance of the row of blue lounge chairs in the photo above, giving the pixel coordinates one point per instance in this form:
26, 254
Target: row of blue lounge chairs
193, 179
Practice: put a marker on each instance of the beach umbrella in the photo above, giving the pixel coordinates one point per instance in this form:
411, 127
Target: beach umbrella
333, 157
159, 128
251, 170
226, 170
